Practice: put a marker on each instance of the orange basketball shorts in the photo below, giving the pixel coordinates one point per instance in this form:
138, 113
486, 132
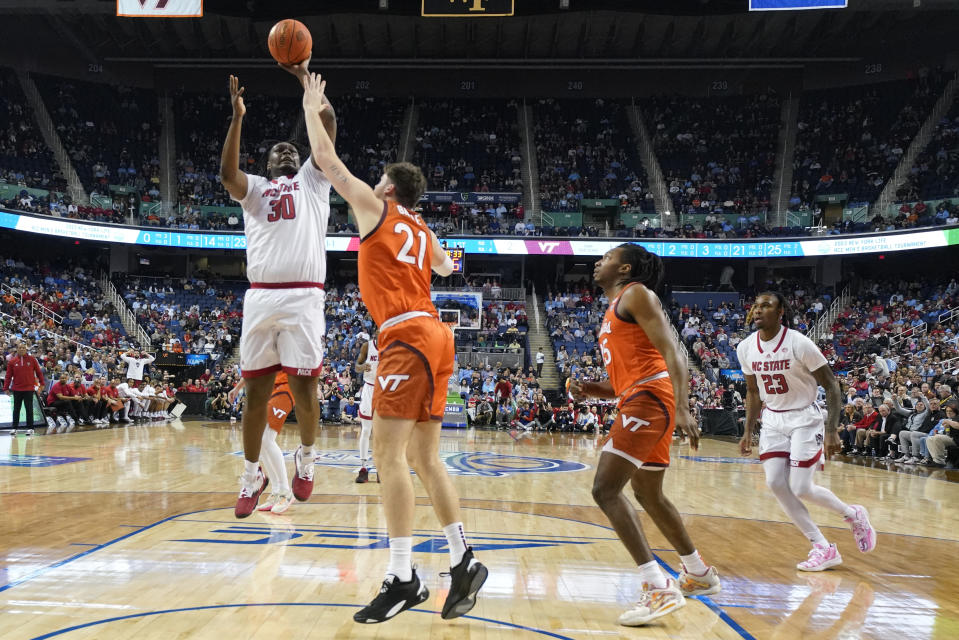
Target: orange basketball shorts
416, 362
280, 406
643, 430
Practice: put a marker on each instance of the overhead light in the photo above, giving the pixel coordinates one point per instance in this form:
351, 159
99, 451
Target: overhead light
384, 5
564, 4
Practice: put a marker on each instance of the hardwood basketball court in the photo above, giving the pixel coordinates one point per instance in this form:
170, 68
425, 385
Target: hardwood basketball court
129, 533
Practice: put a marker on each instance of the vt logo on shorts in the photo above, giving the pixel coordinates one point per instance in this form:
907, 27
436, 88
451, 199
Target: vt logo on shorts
279, 413
393, 378
635, 422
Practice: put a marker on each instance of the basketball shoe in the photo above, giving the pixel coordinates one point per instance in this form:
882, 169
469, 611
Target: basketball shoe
705, 585
250, 490
303, 478
363, 476
654, 603
861, 529
268, 505
821, 557
283, 502
467, 579
394, 597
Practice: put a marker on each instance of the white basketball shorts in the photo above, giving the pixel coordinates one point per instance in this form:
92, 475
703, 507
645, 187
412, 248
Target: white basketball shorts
797, 435
366, 401
283, 329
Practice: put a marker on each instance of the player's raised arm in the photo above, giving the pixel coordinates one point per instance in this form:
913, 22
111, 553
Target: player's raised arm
367, 208
234, 180
327, 116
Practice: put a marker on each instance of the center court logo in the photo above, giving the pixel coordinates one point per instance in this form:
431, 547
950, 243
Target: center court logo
468, 463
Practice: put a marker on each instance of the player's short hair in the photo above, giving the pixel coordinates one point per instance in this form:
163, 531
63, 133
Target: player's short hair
646, 268
409, 181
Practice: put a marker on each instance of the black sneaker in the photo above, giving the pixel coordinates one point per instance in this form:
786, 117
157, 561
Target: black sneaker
363, 476
394, 597
467, 579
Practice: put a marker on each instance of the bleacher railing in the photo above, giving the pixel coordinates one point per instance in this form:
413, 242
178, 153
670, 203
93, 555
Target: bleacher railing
46, 313
16, 293
948, 315
127, 317
914, 331
825, 321
51, 334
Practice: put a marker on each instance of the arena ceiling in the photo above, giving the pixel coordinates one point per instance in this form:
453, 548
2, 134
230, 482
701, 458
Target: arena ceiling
591, 30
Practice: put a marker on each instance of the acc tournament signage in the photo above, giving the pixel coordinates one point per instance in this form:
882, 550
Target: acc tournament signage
828, 246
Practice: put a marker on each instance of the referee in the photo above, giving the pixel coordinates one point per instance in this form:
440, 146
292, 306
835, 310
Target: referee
23, 372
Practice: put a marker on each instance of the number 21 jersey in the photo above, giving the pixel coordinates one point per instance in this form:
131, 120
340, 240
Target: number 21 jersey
394, 265
782, 367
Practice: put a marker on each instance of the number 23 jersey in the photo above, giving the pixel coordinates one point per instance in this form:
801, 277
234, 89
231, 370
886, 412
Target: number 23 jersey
782, 367
285, 220
394, 265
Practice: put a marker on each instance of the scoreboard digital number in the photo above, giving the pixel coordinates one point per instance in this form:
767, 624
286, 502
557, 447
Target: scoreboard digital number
466, 8
456, 255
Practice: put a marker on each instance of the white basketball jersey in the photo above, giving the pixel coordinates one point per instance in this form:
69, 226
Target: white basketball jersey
160, 8
782, 368
286, 222
372, 359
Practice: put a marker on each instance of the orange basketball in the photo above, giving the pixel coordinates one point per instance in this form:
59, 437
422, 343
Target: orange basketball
290, 42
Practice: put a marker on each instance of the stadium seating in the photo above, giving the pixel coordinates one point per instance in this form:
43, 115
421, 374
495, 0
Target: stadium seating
584, 149
111, 132
25, 158
469, 145
717, 153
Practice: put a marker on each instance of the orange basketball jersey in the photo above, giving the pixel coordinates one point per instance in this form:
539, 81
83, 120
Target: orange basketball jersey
628, 354
394, 265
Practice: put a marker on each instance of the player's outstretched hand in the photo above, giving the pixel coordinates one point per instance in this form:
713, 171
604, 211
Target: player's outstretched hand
576, 389
299, 70
314, 86
236, 96
686, 422
746, 444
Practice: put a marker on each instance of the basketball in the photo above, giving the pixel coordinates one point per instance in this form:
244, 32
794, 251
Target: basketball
290, 42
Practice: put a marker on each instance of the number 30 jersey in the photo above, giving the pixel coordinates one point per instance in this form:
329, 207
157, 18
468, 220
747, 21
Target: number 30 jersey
782, 367
285, 220
394, 265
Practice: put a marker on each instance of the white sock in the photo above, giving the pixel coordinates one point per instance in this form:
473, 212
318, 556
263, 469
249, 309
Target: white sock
272, 455
456, 540
401, 559
365, 431
306, 451
651, 574
250, 468
693, 563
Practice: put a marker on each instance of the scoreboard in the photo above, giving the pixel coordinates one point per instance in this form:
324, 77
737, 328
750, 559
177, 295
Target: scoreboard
457, 255
466, 8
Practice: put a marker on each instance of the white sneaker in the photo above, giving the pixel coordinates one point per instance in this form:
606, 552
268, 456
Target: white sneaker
283, 503
704, 585
654, 603
51, 425
268, 505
